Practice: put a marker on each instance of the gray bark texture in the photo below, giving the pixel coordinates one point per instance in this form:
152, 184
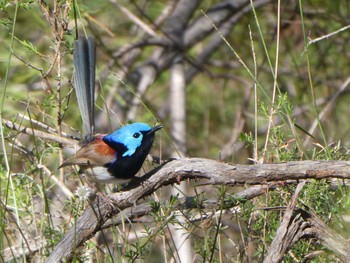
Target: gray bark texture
296, 224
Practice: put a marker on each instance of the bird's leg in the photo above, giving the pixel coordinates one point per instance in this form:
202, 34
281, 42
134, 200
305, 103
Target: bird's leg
96, 190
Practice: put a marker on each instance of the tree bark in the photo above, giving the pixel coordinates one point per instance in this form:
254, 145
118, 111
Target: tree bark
211, 172
288, 232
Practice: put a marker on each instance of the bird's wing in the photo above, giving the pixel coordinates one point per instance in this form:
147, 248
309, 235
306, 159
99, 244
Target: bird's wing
95, 153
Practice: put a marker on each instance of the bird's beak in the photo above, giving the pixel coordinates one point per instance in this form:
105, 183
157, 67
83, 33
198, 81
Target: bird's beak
154, 129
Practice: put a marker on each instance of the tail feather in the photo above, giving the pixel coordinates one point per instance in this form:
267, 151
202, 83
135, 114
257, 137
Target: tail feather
84, 65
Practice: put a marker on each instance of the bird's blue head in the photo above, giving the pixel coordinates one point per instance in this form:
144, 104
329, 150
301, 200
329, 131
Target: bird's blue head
130, 137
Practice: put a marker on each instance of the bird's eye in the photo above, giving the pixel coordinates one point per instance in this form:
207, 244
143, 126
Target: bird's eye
136, 135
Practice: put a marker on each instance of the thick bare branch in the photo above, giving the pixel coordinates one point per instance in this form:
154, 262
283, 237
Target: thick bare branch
327, 236
298, 224
213, 172
288, 232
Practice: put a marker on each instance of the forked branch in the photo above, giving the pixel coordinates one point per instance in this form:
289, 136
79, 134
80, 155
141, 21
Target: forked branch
210, 172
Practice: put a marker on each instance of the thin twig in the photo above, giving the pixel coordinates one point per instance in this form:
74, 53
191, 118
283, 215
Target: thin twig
313, 41
47, 127
47, 136
148, 29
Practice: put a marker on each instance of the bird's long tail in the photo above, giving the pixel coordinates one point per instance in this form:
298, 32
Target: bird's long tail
84, 79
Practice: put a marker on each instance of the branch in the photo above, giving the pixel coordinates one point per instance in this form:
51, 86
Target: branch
297, 224
181, 35
134, 214
37, 133
213, 172
327, 236
288, 232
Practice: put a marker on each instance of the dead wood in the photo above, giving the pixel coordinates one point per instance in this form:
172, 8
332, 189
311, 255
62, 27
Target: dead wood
215, 173
302, 223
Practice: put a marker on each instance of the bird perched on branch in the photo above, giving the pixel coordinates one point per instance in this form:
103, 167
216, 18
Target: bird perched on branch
111, 158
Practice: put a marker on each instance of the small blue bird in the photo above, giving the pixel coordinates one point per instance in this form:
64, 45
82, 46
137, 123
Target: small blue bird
111, 158
116, 157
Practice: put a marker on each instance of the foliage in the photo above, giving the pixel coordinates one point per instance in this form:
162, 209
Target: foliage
288, 88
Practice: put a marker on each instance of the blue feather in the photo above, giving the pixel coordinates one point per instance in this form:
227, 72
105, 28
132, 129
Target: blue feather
130, 136
116, 156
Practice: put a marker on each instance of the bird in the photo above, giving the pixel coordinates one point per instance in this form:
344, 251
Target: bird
115, 157
105, 158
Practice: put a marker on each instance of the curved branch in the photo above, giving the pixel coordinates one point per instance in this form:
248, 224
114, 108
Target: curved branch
213, 172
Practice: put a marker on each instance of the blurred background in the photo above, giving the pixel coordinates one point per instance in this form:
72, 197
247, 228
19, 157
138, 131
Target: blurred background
237, 81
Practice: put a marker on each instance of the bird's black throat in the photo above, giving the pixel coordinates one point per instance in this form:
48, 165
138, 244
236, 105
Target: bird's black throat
126, 167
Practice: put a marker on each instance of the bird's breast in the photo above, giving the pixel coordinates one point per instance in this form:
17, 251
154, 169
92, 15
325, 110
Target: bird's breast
102, 175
